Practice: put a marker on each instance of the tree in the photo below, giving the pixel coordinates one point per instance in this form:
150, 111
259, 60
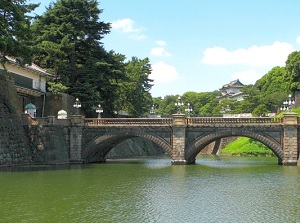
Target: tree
273, 81
65, 36
68, 43
292, 77
208, 103
98, 82
134, 95
166, 106
272, 88
260, 110
56, 88
251, 100
15, 30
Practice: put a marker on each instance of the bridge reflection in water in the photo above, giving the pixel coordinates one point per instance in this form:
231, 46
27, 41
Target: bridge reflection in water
179, 136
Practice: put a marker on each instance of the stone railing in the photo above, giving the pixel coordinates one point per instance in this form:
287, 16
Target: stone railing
80, 120
221, 120
128, 121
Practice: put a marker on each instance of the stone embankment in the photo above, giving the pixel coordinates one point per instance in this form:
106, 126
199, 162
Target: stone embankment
50, 144
14, 145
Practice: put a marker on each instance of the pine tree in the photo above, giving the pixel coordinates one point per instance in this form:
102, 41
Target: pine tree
15, 30
66, 35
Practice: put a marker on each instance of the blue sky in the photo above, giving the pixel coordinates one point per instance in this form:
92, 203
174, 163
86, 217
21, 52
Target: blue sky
200, 45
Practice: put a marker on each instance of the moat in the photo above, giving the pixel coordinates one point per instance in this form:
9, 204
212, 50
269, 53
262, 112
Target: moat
216, 189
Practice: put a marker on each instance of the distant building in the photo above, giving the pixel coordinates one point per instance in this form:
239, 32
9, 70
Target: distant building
30, 82
232, 91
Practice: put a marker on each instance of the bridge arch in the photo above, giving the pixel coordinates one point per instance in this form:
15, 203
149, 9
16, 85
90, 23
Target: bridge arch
199, 143
98, 148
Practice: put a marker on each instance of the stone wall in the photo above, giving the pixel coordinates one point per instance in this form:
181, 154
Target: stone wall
14, 145
29, 144
50, 144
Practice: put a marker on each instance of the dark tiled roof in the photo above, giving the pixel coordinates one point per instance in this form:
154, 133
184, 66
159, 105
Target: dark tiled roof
234, 83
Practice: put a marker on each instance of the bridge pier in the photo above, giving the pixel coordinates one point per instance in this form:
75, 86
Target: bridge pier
77, 123
178, 140
290, 139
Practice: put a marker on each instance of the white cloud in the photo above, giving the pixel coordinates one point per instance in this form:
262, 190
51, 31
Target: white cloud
159, 51
298, 40
257, 56
160, 43
164, 73
247, 76
138, 37
125, 25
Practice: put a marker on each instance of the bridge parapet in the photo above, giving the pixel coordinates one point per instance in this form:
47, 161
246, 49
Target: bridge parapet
185, 121
129, 121
220, 120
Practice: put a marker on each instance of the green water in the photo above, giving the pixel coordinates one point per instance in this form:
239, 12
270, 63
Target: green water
216, 189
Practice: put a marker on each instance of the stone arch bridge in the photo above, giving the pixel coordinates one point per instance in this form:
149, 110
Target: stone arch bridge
90, 140
180, 137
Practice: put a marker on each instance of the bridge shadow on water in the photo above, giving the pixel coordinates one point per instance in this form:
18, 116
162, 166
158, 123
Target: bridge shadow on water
137, 159
116, 161
33, 168
213, 161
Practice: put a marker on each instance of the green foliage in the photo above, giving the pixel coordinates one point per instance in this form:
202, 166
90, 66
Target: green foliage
134, 96
98, 82
15, 30
68, 43
202, 103
272, 88
251, 100
57, 87
273, 81
244, 145
292, 77
260, 110
166, 106
66, 36
296, 110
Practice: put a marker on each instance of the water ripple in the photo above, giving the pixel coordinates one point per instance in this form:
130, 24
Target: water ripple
152, 190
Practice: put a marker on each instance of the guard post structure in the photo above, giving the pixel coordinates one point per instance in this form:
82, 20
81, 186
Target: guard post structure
290, 138
178, 139
77, 124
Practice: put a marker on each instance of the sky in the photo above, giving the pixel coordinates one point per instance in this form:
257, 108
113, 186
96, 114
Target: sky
200, 45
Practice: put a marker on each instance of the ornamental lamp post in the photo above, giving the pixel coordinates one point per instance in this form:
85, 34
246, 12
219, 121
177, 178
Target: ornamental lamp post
287, 105
189, 109
77, 105
178, 104
99, 110
225, 109
153, 110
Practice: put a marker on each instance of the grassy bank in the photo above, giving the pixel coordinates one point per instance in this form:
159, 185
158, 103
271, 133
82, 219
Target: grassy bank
247, 146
